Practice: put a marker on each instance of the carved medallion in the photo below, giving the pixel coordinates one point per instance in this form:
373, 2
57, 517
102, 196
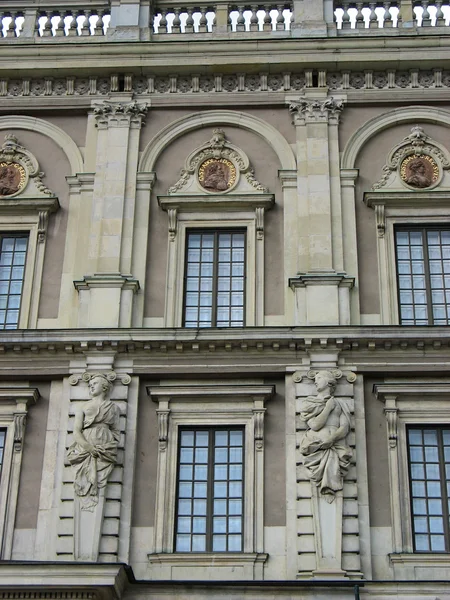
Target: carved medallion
217, 175
12, 178
419, 171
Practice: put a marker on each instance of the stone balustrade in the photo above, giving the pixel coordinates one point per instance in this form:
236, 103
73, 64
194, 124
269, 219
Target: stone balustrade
235, 18
85, 21
354, 16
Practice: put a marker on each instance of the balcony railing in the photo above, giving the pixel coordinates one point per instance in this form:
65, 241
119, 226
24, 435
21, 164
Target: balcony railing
352, 17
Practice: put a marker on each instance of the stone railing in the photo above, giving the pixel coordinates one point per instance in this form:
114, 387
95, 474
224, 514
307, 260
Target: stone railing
356, 16
85, 19
221, 17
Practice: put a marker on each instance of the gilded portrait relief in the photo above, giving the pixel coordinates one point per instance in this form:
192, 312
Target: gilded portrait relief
12, 178
419, 171
217, 175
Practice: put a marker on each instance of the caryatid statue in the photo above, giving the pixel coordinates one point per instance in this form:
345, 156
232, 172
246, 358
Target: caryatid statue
326, 454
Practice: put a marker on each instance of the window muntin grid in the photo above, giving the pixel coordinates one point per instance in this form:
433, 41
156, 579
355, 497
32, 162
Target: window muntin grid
13, 252
429, 471
423, 274
214, 290
2, 448
210, 490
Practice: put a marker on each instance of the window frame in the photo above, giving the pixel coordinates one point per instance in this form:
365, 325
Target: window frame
424, 228
14, 404
16, 235
240, 211
216, 233
197, 406
445, 497
209, 484
409, 404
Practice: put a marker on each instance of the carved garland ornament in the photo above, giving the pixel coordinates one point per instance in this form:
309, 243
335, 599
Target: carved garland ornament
418, 160
217, 165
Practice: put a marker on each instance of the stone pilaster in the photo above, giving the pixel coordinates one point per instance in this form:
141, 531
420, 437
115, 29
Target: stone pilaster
106, 292
310, 18
321, 287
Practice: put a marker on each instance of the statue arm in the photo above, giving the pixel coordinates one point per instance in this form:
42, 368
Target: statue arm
78, 432
343, 429
316, 423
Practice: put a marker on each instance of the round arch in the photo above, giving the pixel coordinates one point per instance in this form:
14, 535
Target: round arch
60, 137
411, 114
217, 117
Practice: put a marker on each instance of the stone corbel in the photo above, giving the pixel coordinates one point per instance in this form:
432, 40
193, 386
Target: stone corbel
42, 225
163, 428
391, 412
173, 222
20, 420
111, 377
380, 219
258, 416
259, 212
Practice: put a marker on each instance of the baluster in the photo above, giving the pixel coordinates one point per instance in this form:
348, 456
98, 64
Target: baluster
292, 21
387, 17
59, 27
163, 23
36, 23
98, 29
229, 21
176, 23
440, 19
267, 21
85, 23
360, 24
254, 25
280, 18
399, 14
11, 31
47, 32
426, 18
189, 22
346, 24
373, 18
72, 24
240, 23
203, 23
214, 21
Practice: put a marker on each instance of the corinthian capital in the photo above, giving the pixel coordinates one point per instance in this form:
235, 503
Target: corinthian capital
310, 110
120, 114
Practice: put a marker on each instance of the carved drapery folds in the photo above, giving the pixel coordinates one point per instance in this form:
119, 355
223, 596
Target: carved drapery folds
120, 114
310, 110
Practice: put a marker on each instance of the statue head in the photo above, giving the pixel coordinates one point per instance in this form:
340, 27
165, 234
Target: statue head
99, 383
324, 380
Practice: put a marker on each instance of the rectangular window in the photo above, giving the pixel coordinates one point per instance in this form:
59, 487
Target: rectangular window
423, 272
214, 283
210, 490
13, 252
429, 470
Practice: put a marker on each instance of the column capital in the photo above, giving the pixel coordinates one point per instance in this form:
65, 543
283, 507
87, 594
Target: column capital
306, 110
112, 113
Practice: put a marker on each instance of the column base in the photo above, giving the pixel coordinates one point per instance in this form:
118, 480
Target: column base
322, 298
106, 300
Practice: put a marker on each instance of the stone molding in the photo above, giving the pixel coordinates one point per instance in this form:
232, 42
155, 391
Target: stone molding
107, 280
310, 110
310, 279
410, 114
60, 137
219, 117
249, 83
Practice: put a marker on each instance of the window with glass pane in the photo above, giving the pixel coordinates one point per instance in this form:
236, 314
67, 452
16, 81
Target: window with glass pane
429, 469
214, 288
13, 252
210, 491
423, 272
